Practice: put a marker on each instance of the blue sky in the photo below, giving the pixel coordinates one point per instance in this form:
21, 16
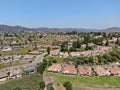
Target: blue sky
61, 13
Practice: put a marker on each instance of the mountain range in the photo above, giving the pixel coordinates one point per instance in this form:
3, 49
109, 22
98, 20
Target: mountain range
7, 28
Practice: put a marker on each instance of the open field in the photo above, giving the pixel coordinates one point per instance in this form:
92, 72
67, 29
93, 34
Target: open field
88, 83
30, 82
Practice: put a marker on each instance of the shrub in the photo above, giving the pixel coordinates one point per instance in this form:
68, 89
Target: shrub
68, 85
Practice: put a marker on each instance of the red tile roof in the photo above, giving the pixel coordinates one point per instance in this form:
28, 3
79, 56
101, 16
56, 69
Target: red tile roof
115, 70
85, 70
3, 74
69, 69
27, 56
55, 68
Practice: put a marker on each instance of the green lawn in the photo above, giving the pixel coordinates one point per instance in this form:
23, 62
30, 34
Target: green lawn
57, 58
112, 81
26, 83
17, 51
1, 66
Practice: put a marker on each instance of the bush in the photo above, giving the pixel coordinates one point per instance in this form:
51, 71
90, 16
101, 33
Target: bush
42, 85
17, 88
68, 85
49, 86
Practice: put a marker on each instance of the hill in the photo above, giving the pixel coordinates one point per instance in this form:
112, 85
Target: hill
7, 28
112, 29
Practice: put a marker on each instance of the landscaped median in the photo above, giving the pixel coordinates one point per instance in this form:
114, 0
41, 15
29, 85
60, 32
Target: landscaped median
95, 81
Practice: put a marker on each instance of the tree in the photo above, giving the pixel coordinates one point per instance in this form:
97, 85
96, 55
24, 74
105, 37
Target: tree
54, 61
48, 50
86, 39
17, 88
107, 43
91, 60
87, 47
68, 85
77, 63
49, 63
42, 66
76, 44
118, 41
50, 86
64, 46
42, 85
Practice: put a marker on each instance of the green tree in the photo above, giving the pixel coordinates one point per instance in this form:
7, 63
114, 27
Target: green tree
64, 46
42, 85
118, 41
48, 50
42, 66
107, 43
87, 47
67, 85
17, 88
50, 86
91, 60
76, 44
54, 61
49, 63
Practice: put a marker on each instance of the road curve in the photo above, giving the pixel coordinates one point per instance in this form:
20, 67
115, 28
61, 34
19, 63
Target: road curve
37, 60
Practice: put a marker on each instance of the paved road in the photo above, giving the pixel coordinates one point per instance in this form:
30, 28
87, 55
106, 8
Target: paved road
38, 59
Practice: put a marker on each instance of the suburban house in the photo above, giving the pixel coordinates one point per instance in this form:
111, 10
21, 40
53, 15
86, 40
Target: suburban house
114, 70
36, 52
55, 68
27, 56
6, 48
17, 57
6, 59
83, 71
102, 71
54, 52
64, 55
15, 73
30, 70
13, 42
89, 52
69, 70
3, 75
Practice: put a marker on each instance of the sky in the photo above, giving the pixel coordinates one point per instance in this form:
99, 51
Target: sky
90, 14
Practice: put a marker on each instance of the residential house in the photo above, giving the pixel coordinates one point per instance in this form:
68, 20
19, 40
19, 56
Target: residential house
102, 70
69, 70
114, 70
3, 75
6, 48
83, 71
55, 68
64, 55
27, 56
54, 52
15, 73
17, 57
30, 70
35, 52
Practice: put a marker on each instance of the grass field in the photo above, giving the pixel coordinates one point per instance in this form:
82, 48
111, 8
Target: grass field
26, 83
112, 81
17, 51
1, 66
57, 58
